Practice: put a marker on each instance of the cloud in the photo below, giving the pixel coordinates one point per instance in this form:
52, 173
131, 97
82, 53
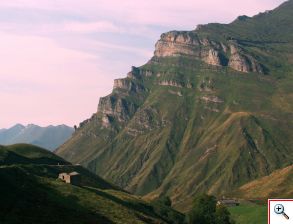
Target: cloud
33, 57
92, 27
185, 13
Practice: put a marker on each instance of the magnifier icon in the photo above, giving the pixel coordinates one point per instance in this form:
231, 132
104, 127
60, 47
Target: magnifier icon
280, 210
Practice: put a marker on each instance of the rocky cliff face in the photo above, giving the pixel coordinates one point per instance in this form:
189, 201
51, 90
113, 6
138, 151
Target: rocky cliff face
226, 53
174, 44
243, 62
189, 121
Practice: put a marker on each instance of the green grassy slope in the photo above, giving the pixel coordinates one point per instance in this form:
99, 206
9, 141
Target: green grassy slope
25, 153
278, 184
249, 213
213, 131
31, 193
35, 199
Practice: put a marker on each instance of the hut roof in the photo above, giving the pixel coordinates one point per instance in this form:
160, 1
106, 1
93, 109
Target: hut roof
228, 201
73, 173
63, 174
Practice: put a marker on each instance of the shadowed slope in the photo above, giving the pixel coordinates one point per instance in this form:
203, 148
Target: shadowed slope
31, 193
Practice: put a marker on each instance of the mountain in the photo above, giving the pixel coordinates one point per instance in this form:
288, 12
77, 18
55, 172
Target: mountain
27, 154
50, 137
212, 110
31, 193
6, 134
277, 184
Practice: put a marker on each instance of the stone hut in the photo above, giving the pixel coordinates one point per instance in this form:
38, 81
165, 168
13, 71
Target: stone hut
73, 178
228, 202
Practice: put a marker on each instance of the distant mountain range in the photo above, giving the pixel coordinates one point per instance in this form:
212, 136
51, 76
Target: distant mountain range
50, 137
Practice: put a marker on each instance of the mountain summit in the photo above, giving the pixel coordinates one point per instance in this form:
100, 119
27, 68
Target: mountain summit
210, 112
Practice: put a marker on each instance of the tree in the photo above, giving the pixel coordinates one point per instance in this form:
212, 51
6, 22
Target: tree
162, 205
203, 211
206, 211
222, 215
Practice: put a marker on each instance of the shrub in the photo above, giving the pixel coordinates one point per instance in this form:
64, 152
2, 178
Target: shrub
206, 211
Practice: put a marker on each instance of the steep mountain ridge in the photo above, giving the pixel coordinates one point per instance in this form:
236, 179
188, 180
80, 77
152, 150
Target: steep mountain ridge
211, 111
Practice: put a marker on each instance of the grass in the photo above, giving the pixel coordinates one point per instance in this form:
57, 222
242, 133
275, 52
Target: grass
27, 154
249, 213
32, 193
278, 184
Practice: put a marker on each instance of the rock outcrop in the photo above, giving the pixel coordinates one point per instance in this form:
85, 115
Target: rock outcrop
115, 108
213, 99
176, 43
212, 58
138, 73
226, 53
170, 83
128, 85
122, 84
242, 62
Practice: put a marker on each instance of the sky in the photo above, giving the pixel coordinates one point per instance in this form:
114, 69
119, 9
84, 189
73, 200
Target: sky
58, 57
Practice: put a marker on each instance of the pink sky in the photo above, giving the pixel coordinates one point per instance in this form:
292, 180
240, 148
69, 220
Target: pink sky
59, 56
